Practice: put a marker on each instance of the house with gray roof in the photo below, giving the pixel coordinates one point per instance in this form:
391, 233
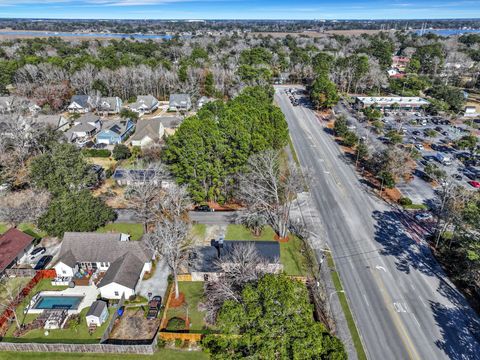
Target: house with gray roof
21, 104
179, 102
147, 132
84, 128
55, 122
115, 131
203, 260
118, 263
109, 105
145, 104
83, 103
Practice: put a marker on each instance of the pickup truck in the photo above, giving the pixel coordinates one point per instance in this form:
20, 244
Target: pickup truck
444, 159
154, 306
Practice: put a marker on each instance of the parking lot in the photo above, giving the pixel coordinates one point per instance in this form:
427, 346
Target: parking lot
433, 137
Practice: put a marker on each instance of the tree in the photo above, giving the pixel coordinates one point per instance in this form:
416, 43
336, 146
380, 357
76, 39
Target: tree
62, 169
268, 189
394, 136
371, 113
361, 151
9, 296
273, 319
350, 139
173, 201
467, 142
17, 207
209, 86
239, 265
75, 211
129, 114
324, 93
340, 126
254, 221
169, 239
450, 95
121, 152
387, 180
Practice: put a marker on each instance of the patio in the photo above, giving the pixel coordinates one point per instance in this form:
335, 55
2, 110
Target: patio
89, 294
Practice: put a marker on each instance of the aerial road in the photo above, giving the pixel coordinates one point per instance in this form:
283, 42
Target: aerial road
402, 302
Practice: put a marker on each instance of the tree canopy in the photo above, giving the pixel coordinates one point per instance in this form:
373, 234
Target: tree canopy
209, 148
272, 320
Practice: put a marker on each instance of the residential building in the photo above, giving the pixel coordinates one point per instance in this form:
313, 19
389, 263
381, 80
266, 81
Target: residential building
109, 261
14, 246
56, 122
21, 104
145, 104
400, 63
83, 103
204, 100
147, 132
115, 131
97, 314
84, 128
470, 111
170, 124
203, 264
109, 105
124, 177
179, 102
391, 103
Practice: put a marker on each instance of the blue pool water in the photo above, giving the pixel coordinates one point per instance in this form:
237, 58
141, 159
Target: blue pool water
58, 302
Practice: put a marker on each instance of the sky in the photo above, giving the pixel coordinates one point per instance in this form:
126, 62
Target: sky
240, 9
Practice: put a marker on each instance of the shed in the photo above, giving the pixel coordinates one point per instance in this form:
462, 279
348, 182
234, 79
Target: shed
97, 314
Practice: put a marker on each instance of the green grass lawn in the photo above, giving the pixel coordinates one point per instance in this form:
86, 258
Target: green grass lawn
193, 291
161, 354
72, 335
291, 252
240, 232
198, 230
135, 230
26, 228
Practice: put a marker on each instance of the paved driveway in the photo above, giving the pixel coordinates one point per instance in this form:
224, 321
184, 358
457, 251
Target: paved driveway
157, 284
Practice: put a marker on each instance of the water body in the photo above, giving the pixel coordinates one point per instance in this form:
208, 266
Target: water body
447, 32
86, 35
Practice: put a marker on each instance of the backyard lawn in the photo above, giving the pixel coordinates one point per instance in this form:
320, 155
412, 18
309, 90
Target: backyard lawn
162, 354
198, 231
135, 230
291, 252
193, 291
25, 227
77, 334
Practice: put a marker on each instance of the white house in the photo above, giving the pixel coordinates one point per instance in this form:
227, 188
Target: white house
110, 105
179, 102
85, 126
145, 104
82, 103
117, 265
97, 314
147, 132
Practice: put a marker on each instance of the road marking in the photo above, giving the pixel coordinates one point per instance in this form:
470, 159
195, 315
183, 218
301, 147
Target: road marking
415, 318
378, 267
365, 297
326, 172
413, 287
423, 302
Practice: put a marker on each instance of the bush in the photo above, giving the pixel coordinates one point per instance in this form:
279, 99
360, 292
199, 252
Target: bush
121, 152
176, 324
103, 153
405, 201
178, 343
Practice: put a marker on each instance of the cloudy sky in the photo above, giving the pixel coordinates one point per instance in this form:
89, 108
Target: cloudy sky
239, 9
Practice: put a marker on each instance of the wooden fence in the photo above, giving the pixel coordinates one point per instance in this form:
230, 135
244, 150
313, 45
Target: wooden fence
8, 313
80, 348
193, 337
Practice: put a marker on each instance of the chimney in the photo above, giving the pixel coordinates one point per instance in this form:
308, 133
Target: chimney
218, 244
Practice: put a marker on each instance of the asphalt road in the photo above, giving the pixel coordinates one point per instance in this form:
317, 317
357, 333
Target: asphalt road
404, 306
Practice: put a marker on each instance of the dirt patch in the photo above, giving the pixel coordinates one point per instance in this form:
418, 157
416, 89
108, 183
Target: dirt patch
347, 150
134, 326
105, 163
112, 194
392, 194
176, 302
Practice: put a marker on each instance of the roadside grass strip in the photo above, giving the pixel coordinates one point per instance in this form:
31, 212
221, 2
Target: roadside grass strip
357, 342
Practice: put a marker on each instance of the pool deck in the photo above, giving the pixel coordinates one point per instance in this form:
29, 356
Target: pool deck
89, 294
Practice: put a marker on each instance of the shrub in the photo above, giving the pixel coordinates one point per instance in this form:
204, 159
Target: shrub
405, 201
178, 343
103, 153
176, 324
121, 152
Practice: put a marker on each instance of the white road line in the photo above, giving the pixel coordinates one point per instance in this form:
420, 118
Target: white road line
365, 297
415, 318
423, 302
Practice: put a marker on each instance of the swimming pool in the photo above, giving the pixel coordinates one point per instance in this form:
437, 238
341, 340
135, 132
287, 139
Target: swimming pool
57, 302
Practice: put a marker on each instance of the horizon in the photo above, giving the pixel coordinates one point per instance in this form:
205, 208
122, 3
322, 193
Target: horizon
239, 10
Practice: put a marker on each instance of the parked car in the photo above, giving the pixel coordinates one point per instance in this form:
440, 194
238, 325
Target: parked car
457, 177
423, 216
154, 306
43, 262
36, 252
475, 184
419, 146
203, 208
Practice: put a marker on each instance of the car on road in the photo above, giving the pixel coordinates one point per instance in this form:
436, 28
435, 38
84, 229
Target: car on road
419, 146
475, 184
43, 262
423, 216
154, 306
36, 252
203, 208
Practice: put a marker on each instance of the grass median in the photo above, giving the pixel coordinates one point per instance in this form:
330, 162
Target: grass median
357, 342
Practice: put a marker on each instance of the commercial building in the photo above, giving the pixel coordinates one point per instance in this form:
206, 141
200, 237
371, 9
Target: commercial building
391, 102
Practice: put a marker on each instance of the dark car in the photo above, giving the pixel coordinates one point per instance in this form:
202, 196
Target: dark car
416, 132
457, 177
43, 262
438, 128
37, 251
203, 208
154, 306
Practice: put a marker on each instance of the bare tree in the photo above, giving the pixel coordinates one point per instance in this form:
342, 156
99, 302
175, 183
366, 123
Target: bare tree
23, 206
142, 193
268, 189
174, 201
9, 299
170, 241
241, 265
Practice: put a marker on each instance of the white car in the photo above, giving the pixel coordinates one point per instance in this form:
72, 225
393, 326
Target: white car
423, 216
419, 146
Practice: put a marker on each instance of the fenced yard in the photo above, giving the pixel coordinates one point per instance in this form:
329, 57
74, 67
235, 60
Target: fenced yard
133, 325
193, 291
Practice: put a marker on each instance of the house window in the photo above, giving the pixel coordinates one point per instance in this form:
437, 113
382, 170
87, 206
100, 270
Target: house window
64, 272
116, 293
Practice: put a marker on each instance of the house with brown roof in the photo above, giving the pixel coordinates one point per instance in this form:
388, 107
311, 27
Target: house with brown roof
117, 263
14, 245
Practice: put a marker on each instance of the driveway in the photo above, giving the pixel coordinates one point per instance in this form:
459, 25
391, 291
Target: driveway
157, 284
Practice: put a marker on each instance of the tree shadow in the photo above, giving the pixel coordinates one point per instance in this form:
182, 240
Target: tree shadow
329, 131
